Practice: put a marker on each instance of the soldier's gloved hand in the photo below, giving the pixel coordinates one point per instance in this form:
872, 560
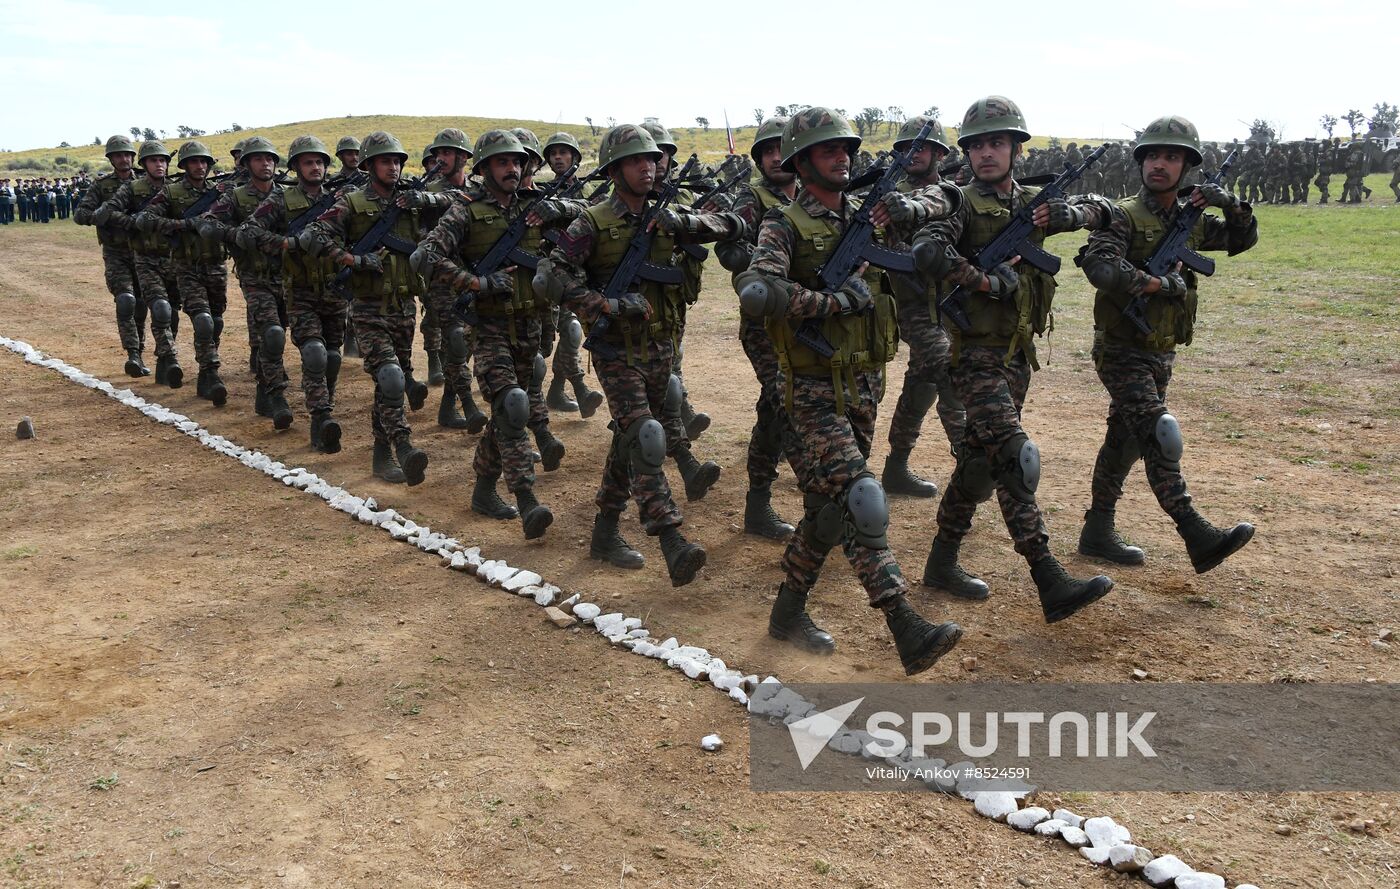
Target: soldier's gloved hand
672, 221
854, 296
902, 209
243, 239
369, 262
1002, 280
498, 283
465, 307
1172, 285
102, 215
415, 199
1062, 217
629, 305
545, 212
547, 336
284, 245
1213, 195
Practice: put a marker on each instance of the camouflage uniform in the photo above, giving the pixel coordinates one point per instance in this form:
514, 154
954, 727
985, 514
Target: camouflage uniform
1298, 174
155, 270
1323, 181
1395, 176
118, 264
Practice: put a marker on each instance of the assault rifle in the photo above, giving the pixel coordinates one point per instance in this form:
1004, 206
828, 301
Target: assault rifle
741, 173
635, 264
1014, 239
329, 192
1173, 249
575, 188
209, 196
381, 234
857, 244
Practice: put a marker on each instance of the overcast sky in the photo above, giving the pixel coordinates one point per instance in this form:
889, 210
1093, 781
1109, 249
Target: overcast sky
74, 69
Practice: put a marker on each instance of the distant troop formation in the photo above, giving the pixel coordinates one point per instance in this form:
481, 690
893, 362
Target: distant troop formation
41, 199
510, 262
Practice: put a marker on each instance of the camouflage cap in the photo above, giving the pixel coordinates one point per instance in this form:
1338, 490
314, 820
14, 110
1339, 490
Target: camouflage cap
562, 138
772, 128
661, 136
993, 114
306, 145
193, 149
1173, 131
494, 142
347, 143
625, 140
152, 148
378, 143
257, 145
118, 144
812, 126
451, 138
530, 142
911, 128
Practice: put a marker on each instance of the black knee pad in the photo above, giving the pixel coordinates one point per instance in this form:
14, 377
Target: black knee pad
455, 345
675, 396
573, 334
869, 511
540, 371
274, 341
126, 306
645, 442
922, 395
972, 476
161, 314
332, 364
203, 326
391, 382
218, 326
511, 411
1120, 450
1019, 469
823, 522
314, 357
1167, 441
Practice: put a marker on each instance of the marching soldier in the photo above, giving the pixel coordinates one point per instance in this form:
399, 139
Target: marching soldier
347, 151
831, 399
1135, 367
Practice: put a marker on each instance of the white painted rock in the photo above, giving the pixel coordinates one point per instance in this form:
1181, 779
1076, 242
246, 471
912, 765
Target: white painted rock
458, 562
501, 573
546, 594
1068, 817
586, 611
1105, 833
711, 743
995, 804
484, 569
1050, 828
1074, 836
522, 580
1027, 818
1098, 856
1163, 871
1129, 859
1199, 880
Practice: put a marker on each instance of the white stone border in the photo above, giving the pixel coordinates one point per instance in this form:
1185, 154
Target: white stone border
1100, 840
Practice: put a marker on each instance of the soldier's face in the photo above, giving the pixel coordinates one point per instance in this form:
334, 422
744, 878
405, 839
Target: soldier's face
197, 168
505, 172
453, 160
832, 162
261, 165
663, 166
311, 168
349, 159
387, 168
991, 156
156, 166
1162, 168
560, 158
770, 161
638, 173
925, 158
122, 161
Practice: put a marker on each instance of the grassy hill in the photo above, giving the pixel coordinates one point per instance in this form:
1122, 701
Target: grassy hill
414, 132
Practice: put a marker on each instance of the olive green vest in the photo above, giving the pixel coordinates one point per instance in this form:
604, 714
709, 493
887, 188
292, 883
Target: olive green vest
146, 243
1172, 320
613, 234
487, 222
106, 187
1010, 323
190, 248
863, 342
398, 283
300, 270
251, 263
909, 288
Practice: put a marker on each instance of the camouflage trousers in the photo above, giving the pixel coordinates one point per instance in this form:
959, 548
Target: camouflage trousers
265, 309
1323, 182
835, 449
119, 269
458, 374
1136, 381
316, 316
156, 275
926, 380
1395, 185
772, 436
565, 362
386, 339
502, 365
636, 392
430, 327
993, 395
204, 288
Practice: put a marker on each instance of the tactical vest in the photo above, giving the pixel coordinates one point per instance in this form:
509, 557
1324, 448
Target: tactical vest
911, 288
107, 235
300, 270
1172, 320
143, 188
251, 263
863, 342
190, 248
613, 235
1013, 322
398, 283
487, 222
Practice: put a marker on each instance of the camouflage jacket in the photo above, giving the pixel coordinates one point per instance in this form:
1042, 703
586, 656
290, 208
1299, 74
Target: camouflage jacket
749, 207
124, 205
270, 220
221, 222
444, 243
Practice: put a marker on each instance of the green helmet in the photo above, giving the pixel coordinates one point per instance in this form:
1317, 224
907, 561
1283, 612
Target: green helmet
1171, 131
257, 145
347, 143
193, 149
625, 140
118, 144
811, 126
772, 128
377, 143
564, 139
911, 128
661, 136
152, 148
451, 138
993, 114
530, 142
494, 142
427, 156
306, 145
237, 149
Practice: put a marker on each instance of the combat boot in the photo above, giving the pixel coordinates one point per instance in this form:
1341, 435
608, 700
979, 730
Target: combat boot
551, 449
169, 371
201, 383
328, 433
920, 644
448, 417
281, 411
218, 392
759, 517
417, 393
413, 461
683, 558
1100, 540
898, 479
1208, 545
487, 502
608, 545
261, 406
476, 420
385, 466
699, 477
588, 400
134, 366
790, 622
942, 572
534, 518
695, 423
435, 375
1062, 595
558, 400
